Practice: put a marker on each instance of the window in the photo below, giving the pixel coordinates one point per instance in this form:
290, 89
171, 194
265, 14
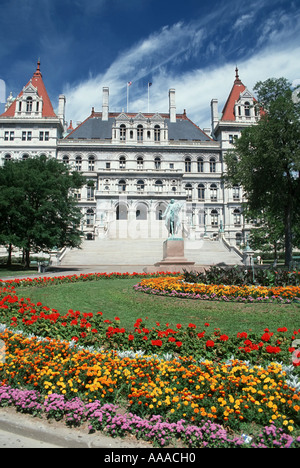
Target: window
141, 212
187, 165
121, 212
140, 162
66, 159
247, 109
91, 163
122, 162
29, 104
159, 211
90, 217
212, 165
238, 238
41, 136
140, 133
200, 165
23, 136
140, 185
157, 133
12, 136
29, 134
78, 163
37, 106
7, 157
107, 165
122, 185
46, 136
237, 217
158, 186
188, 188
201, 192
90, 192
214, 218
213, 192
26, 136
77, 194
122, 132
25, 156
157, 163
6, 136
236, 192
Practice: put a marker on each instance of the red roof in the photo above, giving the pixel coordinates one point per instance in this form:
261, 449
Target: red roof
237, 89
37, 82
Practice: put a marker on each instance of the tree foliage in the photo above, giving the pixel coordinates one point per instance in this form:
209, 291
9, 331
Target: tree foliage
37, 208
266, 159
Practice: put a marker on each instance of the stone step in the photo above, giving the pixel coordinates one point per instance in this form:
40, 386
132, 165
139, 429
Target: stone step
146, 252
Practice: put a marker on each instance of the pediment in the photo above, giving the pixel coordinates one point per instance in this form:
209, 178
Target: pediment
122, 116
246, 94
29, 89
157, 118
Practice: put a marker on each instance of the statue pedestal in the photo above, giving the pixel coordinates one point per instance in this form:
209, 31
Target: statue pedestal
173, 256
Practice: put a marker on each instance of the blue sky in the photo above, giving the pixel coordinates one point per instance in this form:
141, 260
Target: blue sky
190, 45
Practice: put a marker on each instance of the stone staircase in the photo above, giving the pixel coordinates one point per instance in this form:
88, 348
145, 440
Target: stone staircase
146, 252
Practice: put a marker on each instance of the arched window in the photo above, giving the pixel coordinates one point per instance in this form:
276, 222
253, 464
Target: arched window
187, 165
25, 156
237, 217
158, 186
213, 192
122, 132
122, 185
7, 157
140, 133
201, 192
66, 159
90, 217
140, 162
200, 165
91, 163
140, 185
157, 133
29, 104
160, 209
188, 188
141, 212
157, 163
214, 216
78, 163
212, 165
122, 162
121, 212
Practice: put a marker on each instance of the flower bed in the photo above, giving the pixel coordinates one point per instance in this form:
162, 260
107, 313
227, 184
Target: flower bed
67, 382
65, 369
176, 287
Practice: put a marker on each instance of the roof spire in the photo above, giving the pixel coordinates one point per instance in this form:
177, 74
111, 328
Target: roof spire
38, 71
237, 78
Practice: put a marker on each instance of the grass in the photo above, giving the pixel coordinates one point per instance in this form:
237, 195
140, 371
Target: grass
116, 298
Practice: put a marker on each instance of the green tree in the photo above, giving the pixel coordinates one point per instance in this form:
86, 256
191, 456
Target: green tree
37, 207
266, 158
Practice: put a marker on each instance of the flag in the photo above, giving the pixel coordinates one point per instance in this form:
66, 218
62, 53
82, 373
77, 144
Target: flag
149, 84
129, 83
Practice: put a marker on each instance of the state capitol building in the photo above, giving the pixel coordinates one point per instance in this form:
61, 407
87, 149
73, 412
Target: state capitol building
135, 163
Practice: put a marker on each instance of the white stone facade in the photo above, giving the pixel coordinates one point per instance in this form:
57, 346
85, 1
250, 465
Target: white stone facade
136, 163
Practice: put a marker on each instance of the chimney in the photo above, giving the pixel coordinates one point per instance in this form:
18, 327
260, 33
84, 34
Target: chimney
105, 97
214, 114
61, 108
172, 105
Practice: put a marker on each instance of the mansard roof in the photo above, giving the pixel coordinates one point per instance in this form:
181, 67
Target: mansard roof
96, 128
38, 83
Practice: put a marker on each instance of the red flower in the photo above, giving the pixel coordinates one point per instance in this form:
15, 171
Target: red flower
178, 326
191, 325
178, 343
242, 335
266, 336
224, 338
130, 337
282, 329
206, 324
210, 344
156, 342
201, 335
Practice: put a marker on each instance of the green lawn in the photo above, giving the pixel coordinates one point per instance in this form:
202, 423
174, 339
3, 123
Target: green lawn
116, 298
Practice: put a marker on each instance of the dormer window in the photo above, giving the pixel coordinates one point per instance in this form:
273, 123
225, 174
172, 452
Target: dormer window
122, 132
157, 133
29, 104
140, 133
247, 109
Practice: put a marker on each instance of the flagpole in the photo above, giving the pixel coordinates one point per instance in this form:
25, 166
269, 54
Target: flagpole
127, 96
148, 96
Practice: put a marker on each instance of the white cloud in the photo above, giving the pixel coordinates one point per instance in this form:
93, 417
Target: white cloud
160, 57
